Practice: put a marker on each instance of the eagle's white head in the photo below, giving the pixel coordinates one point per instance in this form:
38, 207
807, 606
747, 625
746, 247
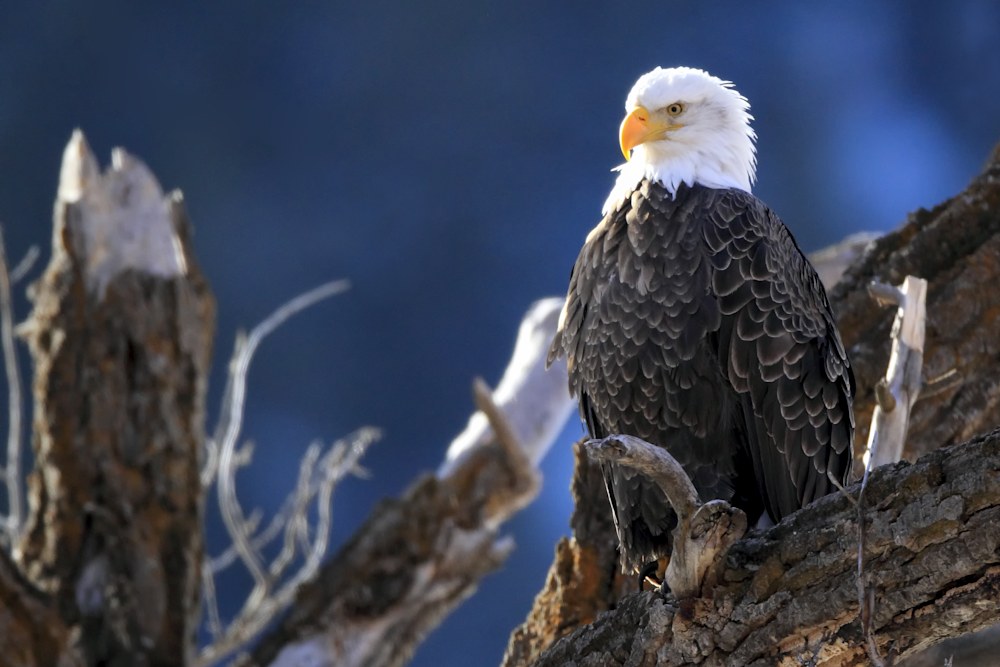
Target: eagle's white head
684, 125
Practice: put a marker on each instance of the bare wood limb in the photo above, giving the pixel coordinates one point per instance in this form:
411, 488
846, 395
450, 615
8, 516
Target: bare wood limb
534, 400
903, 382
11, 524
653, 462
895, 395
418, 557
704, 532
525, 477
886, 295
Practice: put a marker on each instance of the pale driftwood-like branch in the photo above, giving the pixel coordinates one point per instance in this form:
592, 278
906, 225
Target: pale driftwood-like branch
121, 336
533, 399
704, 532
525, 479
902, 382
418, 557
786, 596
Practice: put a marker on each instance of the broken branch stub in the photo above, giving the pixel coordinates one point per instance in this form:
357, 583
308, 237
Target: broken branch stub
120, 335
899, 389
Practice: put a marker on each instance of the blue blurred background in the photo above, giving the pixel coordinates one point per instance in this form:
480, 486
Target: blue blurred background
448, 158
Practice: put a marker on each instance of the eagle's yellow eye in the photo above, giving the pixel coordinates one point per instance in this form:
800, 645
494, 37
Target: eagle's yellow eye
675, 109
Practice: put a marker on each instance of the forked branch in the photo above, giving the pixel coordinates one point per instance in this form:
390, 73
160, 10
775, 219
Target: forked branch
704, 532
303, 542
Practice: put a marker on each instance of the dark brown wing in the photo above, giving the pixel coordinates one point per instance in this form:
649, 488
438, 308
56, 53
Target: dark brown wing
782, 353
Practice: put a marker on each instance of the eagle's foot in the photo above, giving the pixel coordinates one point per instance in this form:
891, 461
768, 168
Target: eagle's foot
650, 574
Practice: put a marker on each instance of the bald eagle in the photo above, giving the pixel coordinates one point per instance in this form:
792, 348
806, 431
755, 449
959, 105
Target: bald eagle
694, 321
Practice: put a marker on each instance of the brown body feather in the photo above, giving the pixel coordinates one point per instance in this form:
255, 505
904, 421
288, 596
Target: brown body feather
695, 322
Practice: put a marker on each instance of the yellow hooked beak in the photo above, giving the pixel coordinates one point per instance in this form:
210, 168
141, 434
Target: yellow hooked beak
641, 126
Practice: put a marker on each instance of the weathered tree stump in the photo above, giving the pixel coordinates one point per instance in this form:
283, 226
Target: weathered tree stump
121, 336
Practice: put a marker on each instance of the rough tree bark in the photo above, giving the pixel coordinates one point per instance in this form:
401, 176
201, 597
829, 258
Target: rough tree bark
121, 337
956, 248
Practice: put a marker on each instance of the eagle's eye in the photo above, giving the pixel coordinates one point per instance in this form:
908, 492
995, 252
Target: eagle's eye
675, 109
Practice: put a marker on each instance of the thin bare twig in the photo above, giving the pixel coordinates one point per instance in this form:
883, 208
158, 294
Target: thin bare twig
319, 472
232, 513
319, 481
940, 384
14, 521
233, 397
25, 265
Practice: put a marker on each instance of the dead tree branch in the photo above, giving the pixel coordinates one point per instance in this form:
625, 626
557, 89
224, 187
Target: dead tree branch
319, 472
417, 557
902, 382
895, 395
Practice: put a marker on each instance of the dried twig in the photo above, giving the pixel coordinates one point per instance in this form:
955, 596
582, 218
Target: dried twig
13, 522
940, 384
319, 472
25, 265
231, 415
